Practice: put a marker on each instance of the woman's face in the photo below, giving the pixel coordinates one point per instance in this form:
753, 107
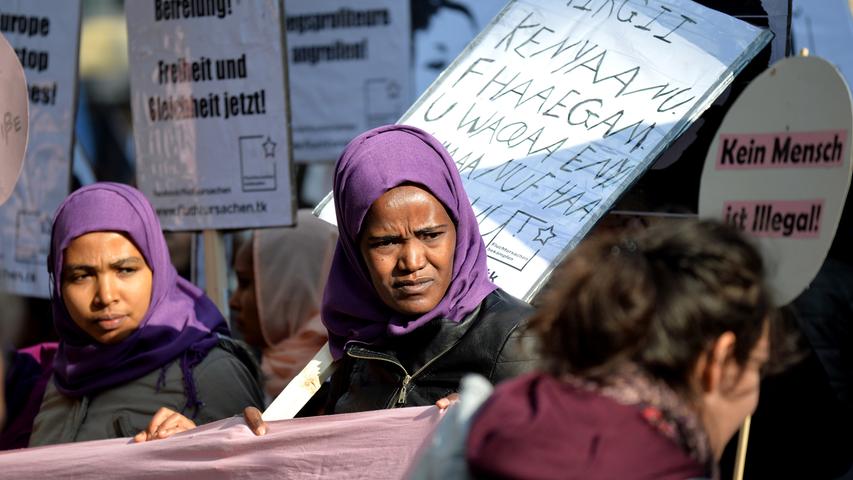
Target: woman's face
408, 241
736, 395
243, 301
106, 285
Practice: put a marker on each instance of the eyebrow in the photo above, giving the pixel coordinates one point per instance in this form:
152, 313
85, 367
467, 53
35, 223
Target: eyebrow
116, 264
431, 228
420, 231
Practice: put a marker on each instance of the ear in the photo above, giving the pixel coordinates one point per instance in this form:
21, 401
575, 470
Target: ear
710, 367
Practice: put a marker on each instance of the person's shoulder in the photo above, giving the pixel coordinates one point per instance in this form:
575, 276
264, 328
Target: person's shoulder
228, 380
502, 303
228, 353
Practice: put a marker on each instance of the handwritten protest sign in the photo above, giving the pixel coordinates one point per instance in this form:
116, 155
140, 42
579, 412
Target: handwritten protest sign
556, 108
779, 168
45, 35
210, 112
349, 71
14, 119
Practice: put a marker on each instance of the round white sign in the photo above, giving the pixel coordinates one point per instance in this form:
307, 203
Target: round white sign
779, 168
14, 119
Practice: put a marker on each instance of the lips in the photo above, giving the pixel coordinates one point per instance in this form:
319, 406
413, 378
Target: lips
413, 287
110, 322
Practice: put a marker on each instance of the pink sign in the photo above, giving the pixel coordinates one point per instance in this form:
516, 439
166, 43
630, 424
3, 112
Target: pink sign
775, 218
825, 149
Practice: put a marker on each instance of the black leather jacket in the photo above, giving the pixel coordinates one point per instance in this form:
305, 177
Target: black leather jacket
421, 367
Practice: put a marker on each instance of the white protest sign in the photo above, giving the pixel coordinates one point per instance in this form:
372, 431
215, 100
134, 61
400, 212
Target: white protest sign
349, 68
779, 168
556, 108
45, 35
210, 112
14, 119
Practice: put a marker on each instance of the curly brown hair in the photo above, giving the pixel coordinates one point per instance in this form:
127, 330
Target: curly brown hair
657, 298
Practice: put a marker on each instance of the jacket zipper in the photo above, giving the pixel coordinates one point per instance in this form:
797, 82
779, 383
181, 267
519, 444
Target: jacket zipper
401, 397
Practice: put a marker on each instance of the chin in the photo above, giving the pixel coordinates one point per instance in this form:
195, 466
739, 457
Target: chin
415, 308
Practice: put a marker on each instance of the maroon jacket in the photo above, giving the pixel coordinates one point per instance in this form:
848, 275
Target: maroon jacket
536, 427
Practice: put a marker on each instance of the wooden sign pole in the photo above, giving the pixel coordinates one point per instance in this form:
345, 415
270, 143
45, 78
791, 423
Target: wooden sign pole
740, 457
215, 269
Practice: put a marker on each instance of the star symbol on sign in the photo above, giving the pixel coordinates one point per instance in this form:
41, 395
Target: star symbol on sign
269, 148
544, 235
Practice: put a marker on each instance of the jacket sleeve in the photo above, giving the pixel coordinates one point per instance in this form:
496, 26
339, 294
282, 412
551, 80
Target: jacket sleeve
518, 355
225, 386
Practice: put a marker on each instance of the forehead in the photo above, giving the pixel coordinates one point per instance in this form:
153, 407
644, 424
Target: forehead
97, 246
409, 205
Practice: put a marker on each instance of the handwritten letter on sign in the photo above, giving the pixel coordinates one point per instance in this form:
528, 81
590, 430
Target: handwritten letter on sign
209, 112
556, 108
45, 36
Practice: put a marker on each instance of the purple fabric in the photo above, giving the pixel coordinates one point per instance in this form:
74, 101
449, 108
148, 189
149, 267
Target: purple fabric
26, 380
181, 321
376, 445
373, 163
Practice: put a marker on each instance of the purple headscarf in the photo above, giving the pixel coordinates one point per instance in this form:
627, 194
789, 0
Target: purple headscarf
373, 163
181, 322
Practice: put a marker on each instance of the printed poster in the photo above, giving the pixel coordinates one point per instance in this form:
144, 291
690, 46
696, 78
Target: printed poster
210, 112
349, 71
45, 36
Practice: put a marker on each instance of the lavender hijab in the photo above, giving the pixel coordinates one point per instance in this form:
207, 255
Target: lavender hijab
373, 163
181, 322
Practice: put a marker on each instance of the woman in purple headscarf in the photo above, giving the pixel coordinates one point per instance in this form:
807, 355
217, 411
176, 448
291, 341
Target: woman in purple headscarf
134, 335
409, 305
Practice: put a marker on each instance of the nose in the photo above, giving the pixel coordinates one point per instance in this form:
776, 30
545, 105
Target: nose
412, 256
107, 291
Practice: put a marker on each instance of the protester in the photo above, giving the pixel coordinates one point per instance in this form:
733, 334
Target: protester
133, 335
281, 274
653, 347
409, 306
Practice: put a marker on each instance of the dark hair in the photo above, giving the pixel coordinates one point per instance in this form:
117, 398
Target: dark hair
657, 298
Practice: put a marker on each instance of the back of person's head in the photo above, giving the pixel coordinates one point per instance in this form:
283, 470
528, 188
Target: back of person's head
656, 298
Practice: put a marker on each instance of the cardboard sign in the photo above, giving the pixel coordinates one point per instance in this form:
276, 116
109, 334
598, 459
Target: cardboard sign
779, 168
45, 35
556, 108
349, 71
14, 119
210, 114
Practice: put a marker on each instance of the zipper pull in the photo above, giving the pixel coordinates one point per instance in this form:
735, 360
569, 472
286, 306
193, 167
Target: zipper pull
401, 400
